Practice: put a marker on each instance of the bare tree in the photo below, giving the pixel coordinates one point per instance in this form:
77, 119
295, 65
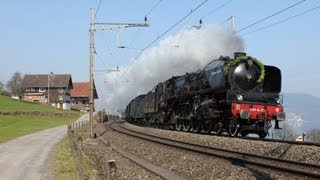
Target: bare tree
14, 85
313, 135
284, 133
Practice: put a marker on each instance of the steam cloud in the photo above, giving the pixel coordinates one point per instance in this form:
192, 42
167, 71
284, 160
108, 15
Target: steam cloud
189, 50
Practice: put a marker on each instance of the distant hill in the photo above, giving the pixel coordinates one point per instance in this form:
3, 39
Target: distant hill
303, 110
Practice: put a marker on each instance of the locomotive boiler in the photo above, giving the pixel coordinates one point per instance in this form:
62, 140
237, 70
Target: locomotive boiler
237, 95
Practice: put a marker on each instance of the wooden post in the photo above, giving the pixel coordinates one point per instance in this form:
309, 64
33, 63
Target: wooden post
112, 170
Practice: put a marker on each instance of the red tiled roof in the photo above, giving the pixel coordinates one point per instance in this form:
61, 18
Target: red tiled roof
82, 89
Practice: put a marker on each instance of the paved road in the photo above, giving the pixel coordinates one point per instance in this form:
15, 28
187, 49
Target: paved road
27, 157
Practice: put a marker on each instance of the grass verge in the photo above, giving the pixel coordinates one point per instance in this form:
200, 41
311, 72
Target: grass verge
63, 163
65, 166
15, 126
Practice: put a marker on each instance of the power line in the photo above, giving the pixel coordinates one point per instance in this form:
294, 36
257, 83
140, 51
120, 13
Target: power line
284, 20
153, 8
271, 16
216, 9
114, 59
95, 52
135, 36
165, 32
117, 62
95, 15
106, 69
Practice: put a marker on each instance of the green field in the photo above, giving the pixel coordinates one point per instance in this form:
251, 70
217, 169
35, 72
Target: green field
9, 104
15, 126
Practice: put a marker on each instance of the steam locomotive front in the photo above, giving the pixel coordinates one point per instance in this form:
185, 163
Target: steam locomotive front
244, 73
254, 94
251, 91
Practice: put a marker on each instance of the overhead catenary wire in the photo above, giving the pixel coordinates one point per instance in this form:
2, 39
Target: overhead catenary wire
106, 68
95, 52
135, 36
111, 54
95, 15
250, 25
165, 32
174, 25
284, 20
153, 8
216, 9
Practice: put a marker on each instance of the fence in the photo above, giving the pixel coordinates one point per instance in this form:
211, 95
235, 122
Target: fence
76, 148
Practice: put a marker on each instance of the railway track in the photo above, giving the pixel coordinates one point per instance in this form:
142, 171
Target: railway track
305, 143
297, 168
156, 170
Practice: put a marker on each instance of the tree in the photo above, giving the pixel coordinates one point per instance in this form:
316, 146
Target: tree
313, 135
284, 133
1, 85
14, 85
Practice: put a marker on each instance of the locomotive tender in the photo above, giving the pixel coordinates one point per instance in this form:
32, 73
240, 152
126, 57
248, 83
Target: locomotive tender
239, 95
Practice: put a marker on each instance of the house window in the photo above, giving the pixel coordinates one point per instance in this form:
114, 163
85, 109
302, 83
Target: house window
42, 90
60, 98
33, 89
28, 89
60, 90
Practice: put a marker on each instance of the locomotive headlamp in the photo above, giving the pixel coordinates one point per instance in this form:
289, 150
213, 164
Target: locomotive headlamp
279, 99
239, 97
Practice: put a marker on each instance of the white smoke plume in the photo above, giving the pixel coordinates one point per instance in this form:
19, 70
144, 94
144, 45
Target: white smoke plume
189, 50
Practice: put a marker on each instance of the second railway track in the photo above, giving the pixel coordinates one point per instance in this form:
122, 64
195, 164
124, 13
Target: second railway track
302, 169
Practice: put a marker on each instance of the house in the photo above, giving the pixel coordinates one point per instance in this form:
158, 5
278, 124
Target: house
80, 96
53, 89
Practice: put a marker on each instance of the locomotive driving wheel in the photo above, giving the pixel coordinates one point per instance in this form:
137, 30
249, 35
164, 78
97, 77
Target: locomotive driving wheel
207, 126
218, 128
262, 134
195, 125
178, 125
156, 123
186, 125
233, 127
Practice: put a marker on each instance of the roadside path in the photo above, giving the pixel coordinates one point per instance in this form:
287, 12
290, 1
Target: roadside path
27, 157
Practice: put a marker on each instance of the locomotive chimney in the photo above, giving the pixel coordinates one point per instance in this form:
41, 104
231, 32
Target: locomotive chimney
239, 54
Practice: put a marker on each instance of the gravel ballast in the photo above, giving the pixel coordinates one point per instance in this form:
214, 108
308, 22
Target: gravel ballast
184, 163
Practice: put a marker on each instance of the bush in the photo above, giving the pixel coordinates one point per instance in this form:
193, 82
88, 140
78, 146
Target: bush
5, 93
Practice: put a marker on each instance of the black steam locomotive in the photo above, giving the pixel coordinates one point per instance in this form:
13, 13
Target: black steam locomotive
239, 95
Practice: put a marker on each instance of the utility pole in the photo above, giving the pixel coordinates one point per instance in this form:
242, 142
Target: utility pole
91, 71
102, 26
49, 75
233, 23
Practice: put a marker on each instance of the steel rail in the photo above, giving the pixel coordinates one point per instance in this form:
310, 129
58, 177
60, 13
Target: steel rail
304, 143
156, 170
294, 167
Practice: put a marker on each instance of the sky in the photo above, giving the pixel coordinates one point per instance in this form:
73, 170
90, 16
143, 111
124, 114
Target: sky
39, 37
